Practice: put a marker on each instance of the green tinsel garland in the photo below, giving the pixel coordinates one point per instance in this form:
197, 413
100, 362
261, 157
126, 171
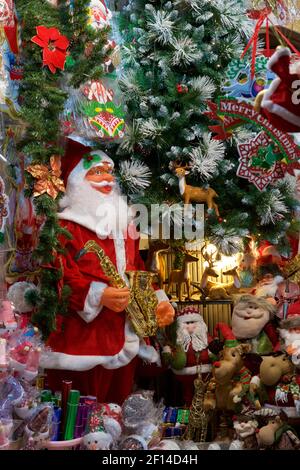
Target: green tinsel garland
42, 104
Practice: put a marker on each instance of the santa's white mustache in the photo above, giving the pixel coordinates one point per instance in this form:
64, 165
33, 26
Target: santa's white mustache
101, 184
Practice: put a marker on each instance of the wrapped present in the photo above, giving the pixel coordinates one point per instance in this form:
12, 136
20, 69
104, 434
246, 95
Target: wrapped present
183, 416
170, 415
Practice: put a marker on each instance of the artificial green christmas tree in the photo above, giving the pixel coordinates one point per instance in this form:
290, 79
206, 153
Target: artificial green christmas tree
175, 54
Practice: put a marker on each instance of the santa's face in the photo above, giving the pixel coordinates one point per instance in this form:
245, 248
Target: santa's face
101, 178
248, 319
268, 285
190, 327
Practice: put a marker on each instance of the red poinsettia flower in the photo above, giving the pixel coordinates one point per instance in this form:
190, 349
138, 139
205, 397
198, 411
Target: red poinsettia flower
54, 47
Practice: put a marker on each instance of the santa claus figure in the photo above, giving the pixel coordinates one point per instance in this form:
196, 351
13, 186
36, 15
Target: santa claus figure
252, 321
191, 354
268, 275
290, 333
280, 103
95, 346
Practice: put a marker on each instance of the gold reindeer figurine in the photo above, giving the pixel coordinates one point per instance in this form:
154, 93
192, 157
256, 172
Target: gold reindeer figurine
217, 290
182, 276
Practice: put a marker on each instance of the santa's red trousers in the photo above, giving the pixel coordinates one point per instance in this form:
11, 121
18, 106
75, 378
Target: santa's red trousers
108, 385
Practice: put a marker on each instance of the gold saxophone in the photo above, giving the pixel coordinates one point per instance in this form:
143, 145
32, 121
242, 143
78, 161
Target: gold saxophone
143, 301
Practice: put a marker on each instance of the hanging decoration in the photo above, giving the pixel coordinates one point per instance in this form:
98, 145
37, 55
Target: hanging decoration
280, 104
4, 209
231, 113
260, 161
11, 66
239, 83
95, 112
99, 15
48, 180
54, 46
263, 17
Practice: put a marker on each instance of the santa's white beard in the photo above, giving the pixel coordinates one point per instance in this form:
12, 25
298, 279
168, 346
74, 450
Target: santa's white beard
289, 337
198, 338
269, 290
104, 214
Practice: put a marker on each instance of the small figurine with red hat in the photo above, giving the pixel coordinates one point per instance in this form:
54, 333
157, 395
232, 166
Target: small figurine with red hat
189, 353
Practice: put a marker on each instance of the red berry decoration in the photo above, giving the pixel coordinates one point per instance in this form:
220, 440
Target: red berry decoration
220, 220
181, 88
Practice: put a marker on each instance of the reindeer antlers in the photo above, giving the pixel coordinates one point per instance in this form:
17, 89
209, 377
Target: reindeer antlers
208, 256
178, 164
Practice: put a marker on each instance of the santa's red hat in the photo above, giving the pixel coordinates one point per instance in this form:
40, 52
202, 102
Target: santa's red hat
292, 319
230, 339
79, 159
278, 104
189, 314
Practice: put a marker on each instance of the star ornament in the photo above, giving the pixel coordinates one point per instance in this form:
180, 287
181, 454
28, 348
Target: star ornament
259, 176
47, 179
54, 46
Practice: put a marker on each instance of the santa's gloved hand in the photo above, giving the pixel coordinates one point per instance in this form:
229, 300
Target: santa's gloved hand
165, 314
115, 299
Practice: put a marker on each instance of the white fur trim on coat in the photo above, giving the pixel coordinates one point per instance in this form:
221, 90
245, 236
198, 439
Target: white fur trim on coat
131, 348
193, 370
189, 317
92, 306
277, 55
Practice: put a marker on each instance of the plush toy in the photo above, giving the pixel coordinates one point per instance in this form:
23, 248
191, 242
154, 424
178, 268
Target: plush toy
275, 384
188, 354
252, 323
231, 378
103, 428
279, 103
245, 429
277, 435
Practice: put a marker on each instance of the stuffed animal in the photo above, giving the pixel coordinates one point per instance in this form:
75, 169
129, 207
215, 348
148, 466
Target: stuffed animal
252, 322
103, 428
231, 379
275, 384
277, 435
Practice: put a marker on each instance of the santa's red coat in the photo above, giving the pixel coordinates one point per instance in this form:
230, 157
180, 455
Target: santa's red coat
92, 335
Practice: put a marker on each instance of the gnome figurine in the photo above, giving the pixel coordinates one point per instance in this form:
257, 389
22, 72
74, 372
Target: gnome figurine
103, 428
